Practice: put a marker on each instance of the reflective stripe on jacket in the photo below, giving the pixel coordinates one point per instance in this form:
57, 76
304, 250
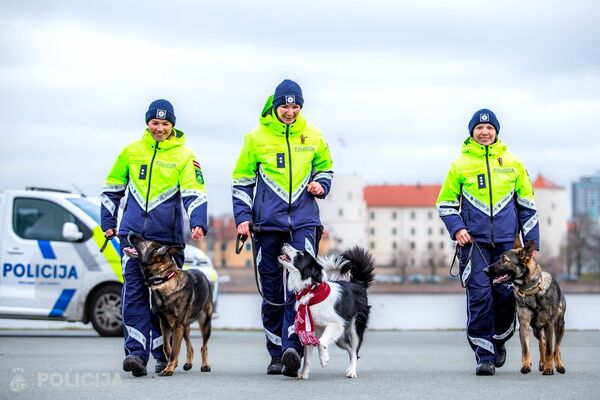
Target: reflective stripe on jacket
158, 177
275, 165
488, 192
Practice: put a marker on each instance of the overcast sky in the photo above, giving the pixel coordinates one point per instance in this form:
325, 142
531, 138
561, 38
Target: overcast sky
391, 84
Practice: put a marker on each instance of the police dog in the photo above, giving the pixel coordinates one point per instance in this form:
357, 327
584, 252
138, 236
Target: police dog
540, 305
178, 299
342, 314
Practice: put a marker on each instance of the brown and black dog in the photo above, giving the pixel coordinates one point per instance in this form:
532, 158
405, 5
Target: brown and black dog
540, 305
178, 299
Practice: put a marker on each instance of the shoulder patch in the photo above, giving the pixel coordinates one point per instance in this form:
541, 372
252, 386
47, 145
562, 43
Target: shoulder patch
198, 172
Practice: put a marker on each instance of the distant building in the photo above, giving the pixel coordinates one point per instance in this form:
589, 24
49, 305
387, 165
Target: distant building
404, 229
219, 244
344, 211
399, 224
586, 197
551, 203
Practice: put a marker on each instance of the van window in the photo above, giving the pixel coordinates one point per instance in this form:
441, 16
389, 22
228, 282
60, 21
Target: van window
89, 206
38, 219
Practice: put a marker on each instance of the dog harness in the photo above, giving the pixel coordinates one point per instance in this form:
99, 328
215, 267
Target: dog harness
303, 324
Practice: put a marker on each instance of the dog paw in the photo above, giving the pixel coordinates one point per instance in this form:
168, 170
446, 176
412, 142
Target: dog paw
548, 371
561, 370
303, 375
525, 370
187, 366
350, 373
205, 368
165, 372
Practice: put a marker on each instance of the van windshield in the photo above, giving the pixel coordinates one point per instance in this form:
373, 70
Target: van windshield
90, 206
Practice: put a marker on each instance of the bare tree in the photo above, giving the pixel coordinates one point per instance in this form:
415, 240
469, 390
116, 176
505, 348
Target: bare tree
401, 260
437, 259
576, 244
594, 251
583, 246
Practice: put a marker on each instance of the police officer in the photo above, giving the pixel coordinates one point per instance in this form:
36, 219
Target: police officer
486, 202
158, 171
284, 164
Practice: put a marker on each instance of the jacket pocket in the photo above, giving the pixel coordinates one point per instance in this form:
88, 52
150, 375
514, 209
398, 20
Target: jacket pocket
261, 201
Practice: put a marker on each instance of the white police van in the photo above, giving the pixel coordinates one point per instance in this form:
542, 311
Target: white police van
52, 267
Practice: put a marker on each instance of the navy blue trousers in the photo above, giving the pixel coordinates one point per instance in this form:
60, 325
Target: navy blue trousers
141, 328
278, 321
490, 309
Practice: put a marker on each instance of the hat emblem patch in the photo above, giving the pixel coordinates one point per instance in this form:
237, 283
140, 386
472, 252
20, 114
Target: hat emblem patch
290, 99
484, 117
161, 114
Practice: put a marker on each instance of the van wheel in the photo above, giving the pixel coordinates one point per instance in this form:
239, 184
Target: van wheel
105, 311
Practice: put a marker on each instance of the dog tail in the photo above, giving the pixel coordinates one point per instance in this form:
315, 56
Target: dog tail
360, 264
336, 268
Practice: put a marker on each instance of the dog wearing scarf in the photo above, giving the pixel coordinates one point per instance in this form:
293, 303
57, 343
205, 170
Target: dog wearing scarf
331, 295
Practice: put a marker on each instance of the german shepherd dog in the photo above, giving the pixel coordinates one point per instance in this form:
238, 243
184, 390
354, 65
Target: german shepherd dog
342, 314
178, 299
540, 305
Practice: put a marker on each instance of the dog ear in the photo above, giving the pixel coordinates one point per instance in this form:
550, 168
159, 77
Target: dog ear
518, 244
528, 250
316, 270
134, 238
170, 250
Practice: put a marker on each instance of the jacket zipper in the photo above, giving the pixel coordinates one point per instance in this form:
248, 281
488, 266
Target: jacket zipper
487, 164
262, 201
150, 179
287, 139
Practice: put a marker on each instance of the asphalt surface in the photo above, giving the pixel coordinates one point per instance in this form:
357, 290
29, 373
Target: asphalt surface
76, 364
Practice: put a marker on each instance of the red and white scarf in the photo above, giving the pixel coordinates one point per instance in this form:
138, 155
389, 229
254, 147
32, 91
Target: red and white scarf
303, 323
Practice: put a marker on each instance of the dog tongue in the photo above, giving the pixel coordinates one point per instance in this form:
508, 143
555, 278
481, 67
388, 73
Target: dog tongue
130, 250
500, 279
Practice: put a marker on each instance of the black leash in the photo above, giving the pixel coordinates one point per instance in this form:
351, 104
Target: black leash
457, 256
239, 245
106, 240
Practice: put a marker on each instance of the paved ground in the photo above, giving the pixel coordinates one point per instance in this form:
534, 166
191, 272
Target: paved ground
394, 365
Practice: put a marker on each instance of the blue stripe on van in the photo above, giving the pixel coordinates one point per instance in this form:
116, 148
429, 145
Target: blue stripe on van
116, 245
46, 249
62, 303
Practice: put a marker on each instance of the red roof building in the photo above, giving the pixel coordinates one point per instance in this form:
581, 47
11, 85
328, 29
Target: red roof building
542, 183
401, 195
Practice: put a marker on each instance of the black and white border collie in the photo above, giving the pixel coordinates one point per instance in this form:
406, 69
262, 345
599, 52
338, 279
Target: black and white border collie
343, 315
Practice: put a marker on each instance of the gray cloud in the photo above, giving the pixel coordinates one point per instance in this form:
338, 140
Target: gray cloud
391, 85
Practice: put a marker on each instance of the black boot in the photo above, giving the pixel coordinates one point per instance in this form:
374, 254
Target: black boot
291, 363
135, 365
485, 368
275, 366
501, 356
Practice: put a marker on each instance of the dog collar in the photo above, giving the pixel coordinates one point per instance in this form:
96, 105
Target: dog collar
157, 280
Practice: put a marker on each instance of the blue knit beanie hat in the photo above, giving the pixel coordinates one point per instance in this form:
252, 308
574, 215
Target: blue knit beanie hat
161, 109
484, 116
287, 92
